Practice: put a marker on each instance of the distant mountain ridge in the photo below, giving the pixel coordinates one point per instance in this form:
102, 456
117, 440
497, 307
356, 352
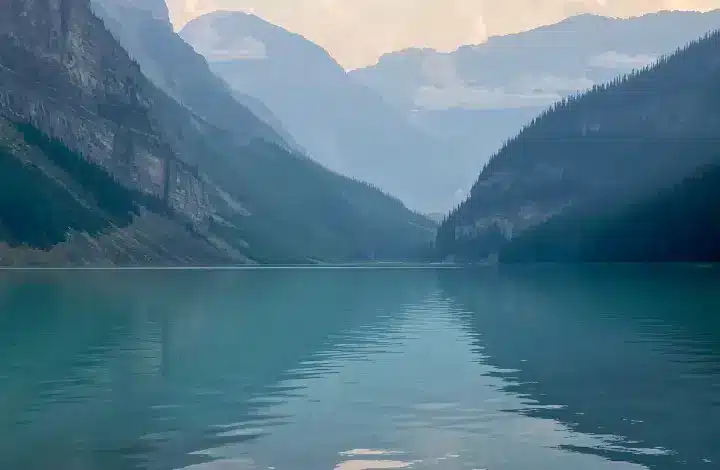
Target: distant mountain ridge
596, 153
479, 96
551, 61
342, 124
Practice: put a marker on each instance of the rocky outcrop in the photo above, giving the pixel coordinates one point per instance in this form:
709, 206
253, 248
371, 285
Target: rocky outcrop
63, 72
53, 213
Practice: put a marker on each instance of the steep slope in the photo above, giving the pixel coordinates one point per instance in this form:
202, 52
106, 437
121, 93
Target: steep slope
680, 224
173, 66
158, 9
602, 149
343, 125
481, 95
64, 74
184, 74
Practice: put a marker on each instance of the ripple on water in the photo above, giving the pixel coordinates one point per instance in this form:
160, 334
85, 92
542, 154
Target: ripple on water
288, 371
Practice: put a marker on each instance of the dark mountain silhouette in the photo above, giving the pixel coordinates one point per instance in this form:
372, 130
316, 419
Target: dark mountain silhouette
680, 224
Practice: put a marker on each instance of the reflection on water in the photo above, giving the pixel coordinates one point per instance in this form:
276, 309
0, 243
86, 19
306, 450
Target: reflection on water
633, 352
543, 368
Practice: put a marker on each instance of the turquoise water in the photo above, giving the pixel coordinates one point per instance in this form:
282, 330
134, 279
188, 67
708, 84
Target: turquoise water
299, 369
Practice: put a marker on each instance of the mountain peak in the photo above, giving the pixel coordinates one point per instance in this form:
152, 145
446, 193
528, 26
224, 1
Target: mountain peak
232, 35
156, 8
243, 22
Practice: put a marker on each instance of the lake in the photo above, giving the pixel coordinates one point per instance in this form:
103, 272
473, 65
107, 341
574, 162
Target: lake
316, 369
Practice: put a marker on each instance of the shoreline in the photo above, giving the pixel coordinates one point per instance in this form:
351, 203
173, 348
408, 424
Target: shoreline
247, 267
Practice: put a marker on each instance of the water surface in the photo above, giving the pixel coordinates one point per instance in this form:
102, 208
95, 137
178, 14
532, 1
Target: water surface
533, 368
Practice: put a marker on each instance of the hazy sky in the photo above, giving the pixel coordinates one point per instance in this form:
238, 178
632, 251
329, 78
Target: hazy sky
357, 32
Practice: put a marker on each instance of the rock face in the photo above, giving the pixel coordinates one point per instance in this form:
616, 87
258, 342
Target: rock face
57, 209
64, 73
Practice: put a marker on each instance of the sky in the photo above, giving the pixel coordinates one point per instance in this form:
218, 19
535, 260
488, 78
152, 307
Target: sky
357, 32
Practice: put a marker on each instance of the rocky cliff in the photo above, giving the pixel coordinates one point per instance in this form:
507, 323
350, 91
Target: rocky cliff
58, 209
64, 73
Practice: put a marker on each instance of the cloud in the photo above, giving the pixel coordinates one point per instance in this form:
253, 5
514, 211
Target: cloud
618, 61
525, 92
357, 32
551, 84
429, 97
446, 89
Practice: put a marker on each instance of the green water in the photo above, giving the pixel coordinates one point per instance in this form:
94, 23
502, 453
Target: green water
303, 369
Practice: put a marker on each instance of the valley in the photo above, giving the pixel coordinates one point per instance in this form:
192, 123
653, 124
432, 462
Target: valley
205, 146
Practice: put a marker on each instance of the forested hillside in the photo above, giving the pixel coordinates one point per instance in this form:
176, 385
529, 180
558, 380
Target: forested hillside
57, 208
680, 224
611, 146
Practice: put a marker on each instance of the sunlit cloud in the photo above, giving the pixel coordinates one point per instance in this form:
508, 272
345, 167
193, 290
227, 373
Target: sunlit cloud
617, 61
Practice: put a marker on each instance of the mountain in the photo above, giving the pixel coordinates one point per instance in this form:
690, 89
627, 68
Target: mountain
86, 198
158, 9
479, 96
109, 168
342, 124
595, 153
174, 67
